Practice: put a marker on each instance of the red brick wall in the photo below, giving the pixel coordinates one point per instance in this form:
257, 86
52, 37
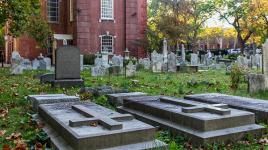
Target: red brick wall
136, 24
86, 27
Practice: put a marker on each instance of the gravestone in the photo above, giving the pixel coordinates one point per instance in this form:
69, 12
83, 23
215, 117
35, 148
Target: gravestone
172, 62
256, 83
117, 60
157, 62
67, 71
81, 62
26, 64
47, 78
16, 61
202, 123
194, 59
98, 61
36, 64
265, 62
257, 106
130, 69
99, 71
183, 54
165, 51
259, 60
146, 63
37, 100
48, 63
117, 98
42, 64
87, 126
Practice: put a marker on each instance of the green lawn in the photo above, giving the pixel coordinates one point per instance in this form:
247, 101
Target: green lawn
16, 127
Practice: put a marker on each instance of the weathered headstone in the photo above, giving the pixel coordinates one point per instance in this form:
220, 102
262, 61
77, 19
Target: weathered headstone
165, 51
42, 64
16, 61
26, 64
99, 71
257, 106
256, 83
265, 62
87, 126
67, 71
172, 62
157, 62
194, 59
130, 69
117, 60
183, 54
48, 63
36, 64
202, 123
146, 63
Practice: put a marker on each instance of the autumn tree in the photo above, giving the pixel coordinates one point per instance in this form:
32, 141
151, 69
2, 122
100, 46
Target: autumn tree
24, 17
181, 20
241, 15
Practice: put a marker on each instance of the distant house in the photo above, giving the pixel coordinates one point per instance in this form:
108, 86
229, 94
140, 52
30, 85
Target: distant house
94, 26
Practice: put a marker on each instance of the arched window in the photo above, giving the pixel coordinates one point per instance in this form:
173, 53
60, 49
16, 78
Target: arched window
107, 9
53, 11
107, 44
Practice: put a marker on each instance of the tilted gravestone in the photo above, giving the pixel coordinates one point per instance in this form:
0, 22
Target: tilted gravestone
130, 69
67, 71
257, 106
200, 122
87, 126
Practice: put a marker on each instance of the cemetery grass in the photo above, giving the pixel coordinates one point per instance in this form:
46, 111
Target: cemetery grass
18, 130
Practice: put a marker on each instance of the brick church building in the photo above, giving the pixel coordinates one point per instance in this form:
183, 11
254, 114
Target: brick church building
107, 26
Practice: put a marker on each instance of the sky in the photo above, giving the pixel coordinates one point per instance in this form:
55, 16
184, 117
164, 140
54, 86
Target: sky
216, 22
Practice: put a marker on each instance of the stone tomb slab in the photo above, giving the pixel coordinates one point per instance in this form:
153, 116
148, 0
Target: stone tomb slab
37, 100
117, 98
87, 126
200, 122
257, 106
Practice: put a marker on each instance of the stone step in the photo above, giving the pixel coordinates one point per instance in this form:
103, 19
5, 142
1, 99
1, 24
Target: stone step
202, 121
195, 136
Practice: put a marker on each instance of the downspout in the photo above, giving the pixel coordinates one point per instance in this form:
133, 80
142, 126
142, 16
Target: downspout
125, 25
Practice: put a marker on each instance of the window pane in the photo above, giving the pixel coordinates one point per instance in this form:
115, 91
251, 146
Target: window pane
107, 9
53, 10
107, 44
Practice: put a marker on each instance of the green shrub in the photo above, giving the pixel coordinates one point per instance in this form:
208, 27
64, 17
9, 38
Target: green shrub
233, 56
89, 59
236, 76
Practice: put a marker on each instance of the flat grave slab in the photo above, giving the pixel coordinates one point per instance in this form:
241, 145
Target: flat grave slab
257, 106
87, 126
37, 100
200, 122
117, 98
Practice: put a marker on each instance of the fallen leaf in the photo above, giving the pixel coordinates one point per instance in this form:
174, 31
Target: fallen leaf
2, 132
5, 147
14, 136
93, 124
3, 112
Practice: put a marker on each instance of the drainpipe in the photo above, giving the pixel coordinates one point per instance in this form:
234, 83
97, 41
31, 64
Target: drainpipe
125, 25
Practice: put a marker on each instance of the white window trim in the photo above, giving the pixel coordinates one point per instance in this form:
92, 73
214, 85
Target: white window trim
113, 41
56, 22
103, 18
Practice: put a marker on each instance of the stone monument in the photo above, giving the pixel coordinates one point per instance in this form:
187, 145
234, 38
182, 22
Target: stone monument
67, 71
202, 123
172, 62
16, 61
130, 69
87, 126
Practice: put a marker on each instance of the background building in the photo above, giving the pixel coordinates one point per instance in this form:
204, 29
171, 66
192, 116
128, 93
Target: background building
94, 26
